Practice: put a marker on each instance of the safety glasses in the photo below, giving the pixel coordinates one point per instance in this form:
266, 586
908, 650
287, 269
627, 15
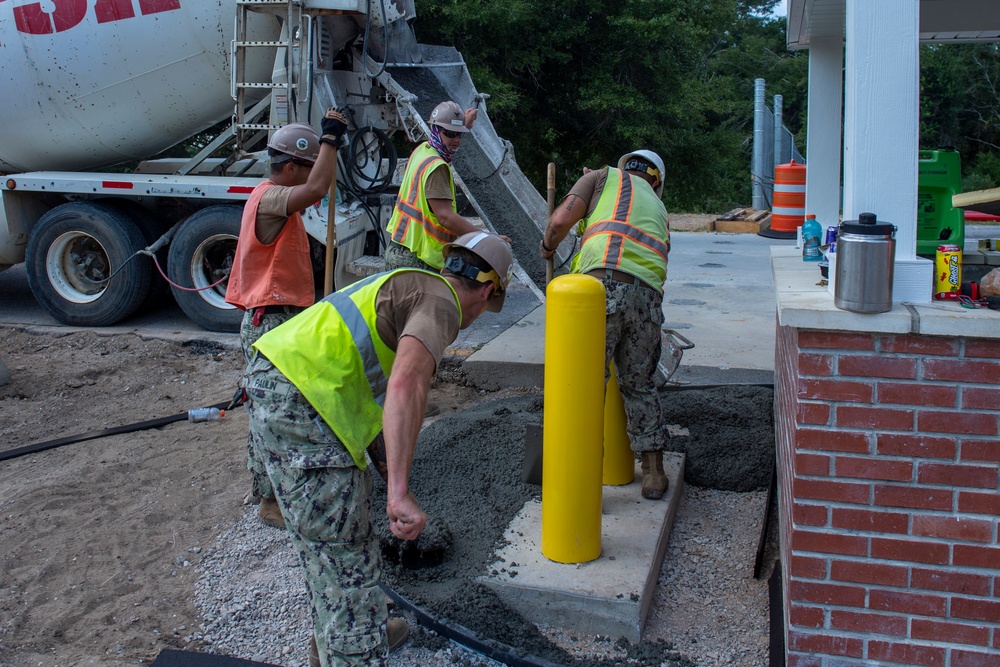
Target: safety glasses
451, 134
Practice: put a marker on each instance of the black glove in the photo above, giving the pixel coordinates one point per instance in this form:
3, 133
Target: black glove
333, 125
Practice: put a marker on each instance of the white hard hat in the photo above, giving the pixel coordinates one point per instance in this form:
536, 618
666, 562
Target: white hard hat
646, 157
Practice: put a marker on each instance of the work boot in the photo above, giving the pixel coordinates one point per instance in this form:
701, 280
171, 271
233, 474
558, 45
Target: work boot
396, 629
270, 513
314, 653
654, 481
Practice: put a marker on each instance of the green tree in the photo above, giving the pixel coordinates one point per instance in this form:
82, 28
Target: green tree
960, 107
579, 83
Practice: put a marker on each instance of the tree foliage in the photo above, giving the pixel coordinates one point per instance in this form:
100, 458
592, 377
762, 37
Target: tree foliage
960, 107
580, 83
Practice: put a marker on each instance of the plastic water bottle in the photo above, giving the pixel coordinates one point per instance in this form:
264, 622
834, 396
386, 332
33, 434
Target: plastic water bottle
812, 234
196, 415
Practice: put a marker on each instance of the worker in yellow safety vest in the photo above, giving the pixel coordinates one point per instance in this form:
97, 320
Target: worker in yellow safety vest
625, 241
349, 376
426, 217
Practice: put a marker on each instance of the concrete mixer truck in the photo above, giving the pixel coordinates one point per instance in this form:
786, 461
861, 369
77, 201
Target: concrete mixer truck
95, 90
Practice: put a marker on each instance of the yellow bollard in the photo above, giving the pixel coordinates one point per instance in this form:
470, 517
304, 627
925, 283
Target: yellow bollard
573, 428
619, 460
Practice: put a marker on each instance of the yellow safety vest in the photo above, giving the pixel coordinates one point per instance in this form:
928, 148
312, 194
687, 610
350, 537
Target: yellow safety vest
333, 354
413, 223
627, 231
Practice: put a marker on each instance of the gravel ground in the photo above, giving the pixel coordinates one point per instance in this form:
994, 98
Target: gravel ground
707, 608
707, 603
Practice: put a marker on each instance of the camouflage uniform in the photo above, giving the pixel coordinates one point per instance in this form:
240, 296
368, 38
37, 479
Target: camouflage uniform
400, 257
326, 502
633, 341
249, 333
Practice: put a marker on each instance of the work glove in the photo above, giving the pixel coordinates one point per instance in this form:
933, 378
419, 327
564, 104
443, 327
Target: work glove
334, 124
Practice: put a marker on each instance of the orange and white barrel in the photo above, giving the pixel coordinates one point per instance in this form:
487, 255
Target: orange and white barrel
788, 210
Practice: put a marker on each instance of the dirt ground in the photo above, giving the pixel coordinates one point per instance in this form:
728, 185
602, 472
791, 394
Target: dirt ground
99, 540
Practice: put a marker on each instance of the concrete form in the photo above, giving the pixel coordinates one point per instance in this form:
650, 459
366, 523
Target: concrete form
608, 596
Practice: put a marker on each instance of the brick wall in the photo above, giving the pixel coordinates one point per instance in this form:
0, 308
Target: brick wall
889, 469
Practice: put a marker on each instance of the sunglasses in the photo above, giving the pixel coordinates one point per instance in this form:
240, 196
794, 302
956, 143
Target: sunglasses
451, 134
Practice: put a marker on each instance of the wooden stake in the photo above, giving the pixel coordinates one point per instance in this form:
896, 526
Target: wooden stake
331, 230
550, 264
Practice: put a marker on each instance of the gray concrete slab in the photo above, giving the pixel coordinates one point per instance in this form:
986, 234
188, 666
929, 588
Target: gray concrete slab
608, 596
719, 295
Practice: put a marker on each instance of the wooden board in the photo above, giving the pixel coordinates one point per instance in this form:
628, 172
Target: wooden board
984, 201
745, 226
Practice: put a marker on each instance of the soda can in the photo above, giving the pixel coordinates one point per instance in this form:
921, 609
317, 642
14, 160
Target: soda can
948, 272
831, 235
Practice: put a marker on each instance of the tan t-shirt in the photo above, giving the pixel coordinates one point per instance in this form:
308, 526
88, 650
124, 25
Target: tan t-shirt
272, 213
416, 304
439, 183
589, 188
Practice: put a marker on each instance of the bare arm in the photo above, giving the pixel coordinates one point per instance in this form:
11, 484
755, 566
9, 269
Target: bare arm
568, 213
318, 184
449, 219
405, 401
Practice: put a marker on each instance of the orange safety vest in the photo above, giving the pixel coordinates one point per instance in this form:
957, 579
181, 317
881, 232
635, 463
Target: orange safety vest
279, 274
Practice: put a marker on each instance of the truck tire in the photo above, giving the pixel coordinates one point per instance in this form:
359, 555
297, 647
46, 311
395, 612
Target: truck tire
201, 255
72, 252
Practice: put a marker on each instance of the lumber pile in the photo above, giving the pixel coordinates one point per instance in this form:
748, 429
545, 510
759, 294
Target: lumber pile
742, 221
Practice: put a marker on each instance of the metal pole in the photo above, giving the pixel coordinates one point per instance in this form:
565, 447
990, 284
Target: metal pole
619, 460
757, 164
779, 134
573, 419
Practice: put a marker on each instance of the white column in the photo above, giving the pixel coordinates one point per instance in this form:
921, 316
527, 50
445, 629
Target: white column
881, 129
825, 103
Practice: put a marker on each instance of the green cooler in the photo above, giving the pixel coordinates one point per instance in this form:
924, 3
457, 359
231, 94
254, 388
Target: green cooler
938, 222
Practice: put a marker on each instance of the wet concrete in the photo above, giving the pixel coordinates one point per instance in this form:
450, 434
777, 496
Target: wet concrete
467, 474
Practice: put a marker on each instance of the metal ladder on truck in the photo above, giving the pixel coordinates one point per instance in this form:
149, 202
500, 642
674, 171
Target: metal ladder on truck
281, 98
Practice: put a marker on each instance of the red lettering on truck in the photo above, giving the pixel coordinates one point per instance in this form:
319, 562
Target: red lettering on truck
33, 20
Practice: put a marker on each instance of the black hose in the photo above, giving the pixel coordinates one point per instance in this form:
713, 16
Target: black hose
93, 435
462, 635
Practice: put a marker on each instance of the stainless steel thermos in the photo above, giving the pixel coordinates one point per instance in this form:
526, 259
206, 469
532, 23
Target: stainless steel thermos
866, 251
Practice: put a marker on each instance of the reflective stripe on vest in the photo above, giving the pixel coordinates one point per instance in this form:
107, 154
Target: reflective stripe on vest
627, 231
333, 354
427, 237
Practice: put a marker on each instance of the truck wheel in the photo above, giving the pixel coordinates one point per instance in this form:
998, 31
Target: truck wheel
73, 252
201, 255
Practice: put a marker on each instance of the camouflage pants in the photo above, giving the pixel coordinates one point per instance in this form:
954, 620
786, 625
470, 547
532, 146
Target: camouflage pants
400, 257
326, 502
249, 333
633, 342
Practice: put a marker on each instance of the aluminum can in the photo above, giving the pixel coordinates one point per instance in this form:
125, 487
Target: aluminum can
831, 235
948, 272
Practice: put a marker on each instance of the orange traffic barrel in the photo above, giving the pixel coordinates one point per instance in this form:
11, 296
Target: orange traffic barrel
788, 211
